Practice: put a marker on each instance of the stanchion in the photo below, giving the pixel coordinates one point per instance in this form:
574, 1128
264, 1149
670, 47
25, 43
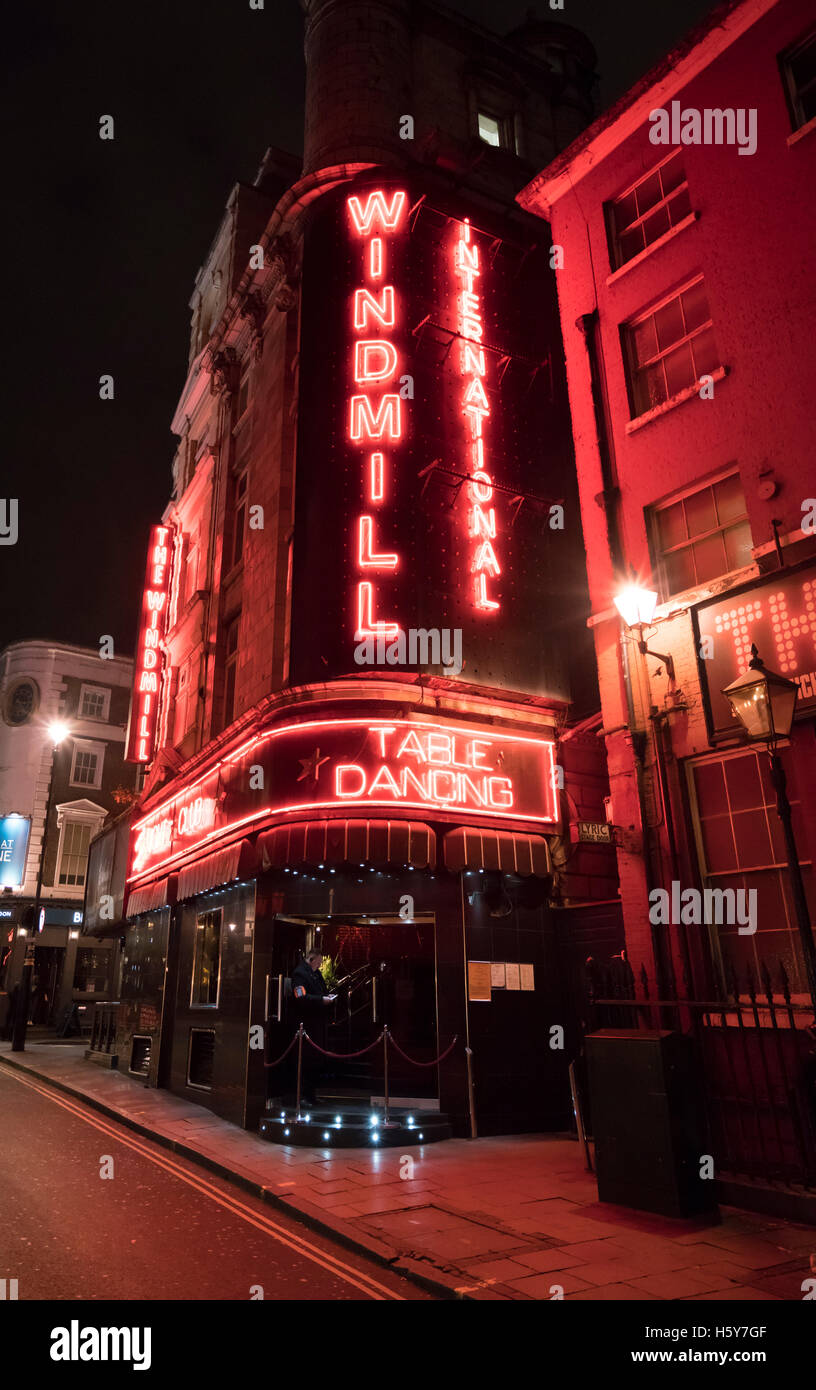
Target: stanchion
299, 1071
471, 1097
385, 1073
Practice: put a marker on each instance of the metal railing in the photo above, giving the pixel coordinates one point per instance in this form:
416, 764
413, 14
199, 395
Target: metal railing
103, 1025
756, 1062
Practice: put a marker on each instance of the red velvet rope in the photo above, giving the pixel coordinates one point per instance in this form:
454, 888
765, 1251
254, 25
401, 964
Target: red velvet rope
342, 1056
414, 1063
283, 1054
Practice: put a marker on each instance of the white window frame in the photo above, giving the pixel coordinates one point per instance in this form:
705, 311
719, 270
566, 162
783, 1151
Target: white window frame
75, 813
102, 690
86, 745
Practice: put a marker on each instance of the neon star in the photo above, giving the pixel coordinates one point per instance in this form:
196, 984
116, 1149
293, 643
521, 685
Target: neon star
311, 766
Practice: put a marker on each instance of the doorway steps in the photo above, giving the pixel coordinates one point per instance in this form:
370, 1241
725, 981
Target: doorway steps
341, 1125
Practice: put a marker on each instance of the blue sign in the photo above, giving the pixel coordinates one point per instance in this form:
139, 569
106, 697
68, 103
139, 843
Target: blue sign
14, 832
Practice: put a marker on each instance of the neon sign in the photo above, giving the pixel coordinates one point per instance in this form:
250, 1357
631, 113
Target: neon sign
484, 564
144, 711
403, 765
779, 618
374, 419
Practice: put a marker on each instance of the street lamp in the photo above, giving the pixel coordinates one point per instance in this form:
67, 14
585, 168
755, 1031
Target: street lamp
57, 733
764, 703
637, 606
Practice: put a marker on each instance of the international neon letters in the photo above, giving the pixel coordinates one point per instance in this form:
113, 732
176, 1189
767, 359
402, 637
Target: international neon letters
484, 562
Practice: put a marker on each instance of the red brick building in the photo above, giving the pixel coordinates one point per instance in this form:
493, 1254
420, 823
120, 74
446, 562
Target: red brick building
374, 362
686, 295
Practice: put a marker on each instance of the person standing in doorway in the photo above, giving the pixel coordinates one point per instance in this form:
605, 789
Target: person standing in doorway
311, 998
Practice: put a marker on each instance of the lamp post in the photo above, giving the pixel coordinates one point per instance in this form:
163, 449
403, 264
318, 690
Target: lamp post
57, 732
764, 703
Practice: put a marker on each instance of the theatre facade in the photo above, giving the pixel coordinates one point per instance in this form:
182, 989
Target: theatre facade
364, 693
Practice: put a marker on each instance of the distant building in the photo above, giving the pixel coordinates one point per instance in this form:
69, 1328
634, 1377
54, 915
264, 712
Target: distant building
40, 683
687, 308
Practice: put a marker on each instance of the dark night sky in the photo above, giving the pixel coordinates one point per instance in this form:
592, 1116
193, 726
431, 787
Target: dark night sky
106, 239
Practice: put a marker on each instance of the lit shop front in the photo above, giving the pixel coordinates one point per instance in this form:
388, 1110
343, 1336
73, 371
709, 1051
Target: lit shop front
413, 853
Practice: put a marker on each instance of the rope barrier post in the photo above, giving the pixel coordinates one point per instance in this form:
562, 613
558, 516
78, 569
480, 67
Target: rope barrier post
471, 1096
579, 1117
299, 1069
385, 1072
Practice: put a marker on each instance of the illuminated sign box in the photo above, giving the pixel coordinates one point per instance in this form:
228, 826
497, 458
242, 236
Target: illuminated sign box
14, 833
354, 765
778, 616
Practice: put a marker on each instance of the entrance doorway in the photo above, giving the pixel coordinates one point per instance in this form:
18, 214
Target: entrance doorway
383, 971
45, 983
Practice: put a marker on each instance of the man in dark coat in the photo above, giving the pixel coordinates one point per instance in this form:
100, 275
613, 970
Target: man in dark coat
311, 998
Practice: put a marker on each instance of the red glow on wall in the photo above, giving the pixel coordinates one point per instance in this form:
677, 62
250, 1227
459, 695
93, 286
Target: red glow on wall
374, 418
484, 565
149, 657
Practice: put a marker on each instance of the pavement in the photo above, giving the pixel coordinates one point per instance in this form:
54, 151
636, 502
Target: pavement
510, 1218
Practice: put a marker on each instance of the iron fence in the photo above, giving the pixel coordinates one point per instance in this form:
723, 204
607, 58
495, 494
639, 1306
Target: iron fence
756, 1062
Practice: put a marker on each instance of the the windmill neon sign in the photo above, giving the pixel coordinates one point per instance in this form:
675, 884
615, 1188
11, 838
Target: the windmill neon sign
375, 414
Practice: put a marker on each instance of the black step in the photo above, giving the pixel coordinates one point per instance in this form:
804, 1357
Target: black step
358, 1127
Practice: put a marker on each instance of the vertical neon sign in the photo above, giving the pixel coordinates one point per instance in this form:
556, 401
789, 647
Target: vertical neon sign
145, 707
475, 406
375, 416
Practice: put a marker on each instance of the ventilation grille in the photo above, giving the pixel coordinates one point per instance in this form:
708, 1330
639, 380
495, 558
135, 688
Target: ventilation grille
140, 1055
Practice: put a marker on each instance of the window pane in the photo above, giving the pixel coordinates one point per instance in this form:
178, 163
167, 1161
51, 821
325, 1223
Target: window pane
631, 243
700, 513
489, 129
709, 782
695, 306
738, 545
644, 340
672, 173
205, 964
709, 558
679, 206
679, 370
730, 499
656, 224
652, 388
679, 570
742, 779
648, 193
803, 65
706, 356
625, 211
671, 524
669, 324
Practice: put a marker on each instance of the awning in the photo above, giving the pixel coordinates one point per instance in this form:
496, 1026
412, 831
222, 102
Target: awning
467, 848
157, 894
370, 842
223, 866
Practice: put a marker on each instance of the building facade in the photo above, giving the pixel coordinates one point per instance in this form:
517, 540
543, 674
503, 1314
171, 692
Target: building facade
42, 683
358, 655
686, 299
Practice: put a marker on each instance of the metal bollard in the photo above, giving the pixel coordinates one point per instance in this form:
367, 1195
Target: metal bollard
471, 1098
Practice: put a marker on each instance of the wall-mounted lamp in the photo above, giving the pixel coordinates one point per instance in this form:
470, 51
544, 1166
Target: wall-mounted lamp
637, 607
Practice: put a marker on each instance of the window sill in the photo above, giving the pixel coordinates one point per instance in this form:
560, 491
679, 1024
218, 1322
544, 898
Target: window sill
655, 246
803, 130
687, 395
